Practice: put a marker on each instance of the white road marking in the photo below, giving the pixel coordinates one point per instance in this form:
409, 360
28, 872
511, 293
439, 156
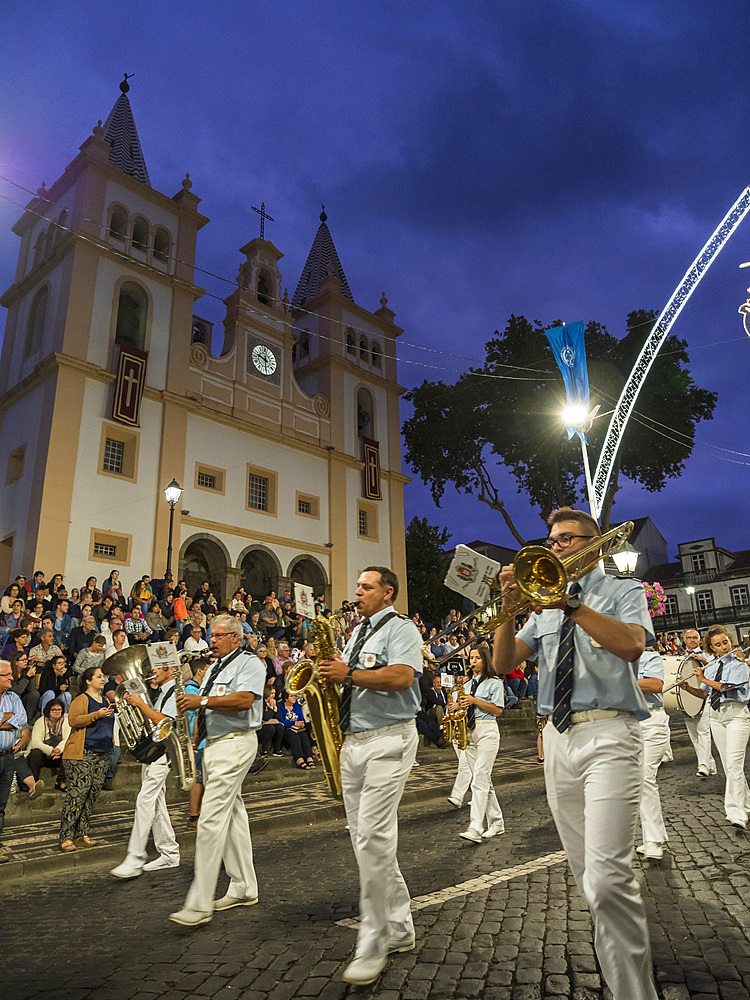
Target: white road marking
475, 884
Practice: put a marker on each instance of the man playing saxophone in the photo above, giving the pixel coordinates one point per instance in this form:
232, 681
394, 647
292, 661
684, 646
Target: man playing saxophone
151, 814
379, 672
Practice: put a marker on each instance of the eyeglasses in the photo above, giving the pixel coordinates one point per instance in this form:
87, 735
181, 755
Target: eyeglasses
220, 635
563, 541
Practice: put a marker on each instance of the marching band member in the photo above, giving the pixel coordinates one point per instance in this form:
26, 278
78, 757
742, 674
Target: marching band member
483, 704
463, 776
729, 719
379, 670
699, 728
587, 644
230, 713
655, 740
151, 815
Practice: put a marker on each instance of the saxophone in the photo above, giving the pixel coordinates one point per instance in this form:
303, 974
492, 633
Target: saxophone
178, 742
322, 700
459, 730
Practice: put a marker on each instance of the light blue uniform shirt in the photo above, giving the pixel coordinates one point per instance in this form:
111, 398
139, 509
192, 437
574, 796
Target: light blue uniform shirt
600, 679
490, 689
168, 705
10, 702
734, 672
651, 665
246, 672
398, 641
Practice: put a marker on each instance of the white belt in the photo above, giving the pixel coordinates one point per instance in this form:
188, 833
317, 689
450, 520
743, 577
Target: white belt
654, 710
228, 736
368, 733
594, 714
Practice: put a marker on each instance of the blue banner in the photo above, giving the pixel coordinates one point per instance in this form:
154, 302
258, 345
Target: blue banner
569, 348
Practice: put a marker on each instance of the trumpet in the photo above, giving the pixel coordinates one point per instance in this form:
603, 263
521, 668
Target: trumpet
542, 578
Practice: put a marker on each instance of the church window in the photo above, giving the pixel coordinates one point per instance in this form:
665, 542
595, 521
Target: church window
102, 549
304, 344
375, 355
140, 235
367, 520
132, 310
365, 414
118, 452
35, 326
209, 478
363, 351
161, 245
118, 223
262, 490
351, 347
199, 334
107, 546
308, 506
16, 460
264, 290
114, 452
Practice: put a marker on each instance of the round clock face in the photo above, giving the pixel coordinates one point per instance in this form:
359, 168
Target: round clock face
264, 359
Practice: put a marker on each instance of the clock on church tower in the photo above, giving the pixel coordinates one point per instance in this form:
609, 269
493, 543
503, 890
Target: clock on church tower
263, 361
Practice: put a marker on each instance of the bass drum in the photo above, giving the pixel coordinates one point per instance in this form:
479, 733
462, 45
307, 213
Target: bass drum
678, 700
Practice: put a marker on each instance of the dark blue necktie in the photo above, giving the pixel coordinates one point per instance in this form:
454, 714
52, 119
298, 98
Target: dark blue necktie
200, 727
345, 705
564, 671
716, 695
470, 712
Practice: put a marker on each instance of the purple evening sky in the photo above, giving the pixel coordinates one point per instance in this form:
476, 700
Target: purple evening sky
565, 159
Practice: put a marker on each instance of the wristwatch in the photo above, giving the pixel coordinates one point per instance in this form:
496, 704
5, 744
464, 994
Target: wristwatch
204, 701
574, 603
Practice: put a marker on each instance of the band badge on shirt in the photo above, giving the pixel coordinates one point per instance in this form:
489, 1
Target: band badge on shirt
221, 690
369, 660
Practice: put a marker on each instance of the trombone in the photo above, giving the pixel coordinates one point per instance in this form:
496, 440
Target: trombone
542, 578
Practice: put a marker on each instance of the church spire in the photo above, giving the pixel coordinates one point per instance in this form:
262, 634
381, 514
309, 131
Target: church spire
122, 135
321, 261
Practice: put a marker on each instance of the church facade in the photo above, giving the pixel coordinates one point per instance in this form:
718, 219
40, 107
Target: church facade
286, 443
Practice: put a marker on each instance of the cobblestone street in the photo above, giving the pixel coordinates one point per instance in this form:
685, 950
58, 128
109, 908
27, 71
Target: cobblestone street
501, 921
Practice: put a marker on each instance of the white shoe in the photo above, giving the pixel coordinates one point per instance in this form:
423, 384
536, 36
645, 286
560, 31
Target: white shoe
702, 771
667, 759
227, 902
473, 835
651, 851
161, 862
126, 871
405, 944
739, 824
494, 830
363, 971
455, 803
190, 918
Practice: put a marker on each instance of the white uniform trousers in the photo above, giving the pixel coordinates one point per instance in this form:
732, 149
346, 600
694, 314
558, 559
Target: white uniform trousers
655, 740
484, 743
730, 728
594, 777
699, 731
463, 777
151, 816
374, 770
223, 829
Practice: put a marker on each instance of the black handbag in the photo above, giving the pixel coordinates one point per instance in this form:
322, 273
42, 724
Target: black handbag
146, 751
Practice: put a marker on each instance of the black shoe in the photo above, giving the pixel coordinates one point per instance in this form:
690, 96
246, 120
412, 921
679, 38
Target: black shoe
108, 785
258, 765
279, 753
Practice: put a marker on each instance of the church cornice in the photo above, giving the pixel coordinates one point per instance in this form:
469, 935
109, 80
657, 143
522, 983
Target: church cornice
257, 536
345, 305
351, 368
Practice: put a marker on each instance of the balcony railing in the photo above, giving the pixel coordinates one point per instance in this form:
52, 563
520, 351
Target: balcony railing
728, 615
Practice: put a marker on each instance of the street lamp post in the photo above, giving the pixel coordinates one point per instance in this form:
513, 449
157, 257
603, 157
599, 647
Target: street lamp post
691, 591
626, 559
173, 492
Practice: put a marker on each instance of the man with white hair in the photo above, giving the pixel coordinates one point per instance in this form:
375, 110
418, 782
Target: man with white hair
12, 721
230, 712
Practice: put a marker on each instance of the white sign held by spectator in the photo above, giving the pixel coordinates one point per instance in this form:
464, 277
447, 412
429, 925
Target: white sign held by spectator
471, 573
304, 601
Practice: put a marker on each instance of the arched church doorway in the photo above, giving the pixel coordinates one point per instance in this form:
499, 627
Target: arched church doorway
259, 573
204, 559
309, 572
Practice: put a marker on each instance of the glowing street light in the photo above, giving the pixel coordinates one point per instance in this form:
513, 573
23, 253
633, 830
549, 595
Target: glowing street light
626, 559
172, 494
690, 591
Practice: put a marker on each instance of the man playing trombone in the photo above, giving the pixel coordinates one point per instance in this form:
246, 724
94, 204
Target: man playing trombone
587, 645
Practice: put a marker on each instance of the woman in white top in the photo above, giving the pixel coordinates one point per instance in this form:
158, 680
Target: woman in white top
484, 700
725, 681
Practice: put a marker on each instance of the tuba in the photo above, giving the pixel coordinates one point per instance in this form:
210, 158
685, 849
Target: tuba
322, 700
